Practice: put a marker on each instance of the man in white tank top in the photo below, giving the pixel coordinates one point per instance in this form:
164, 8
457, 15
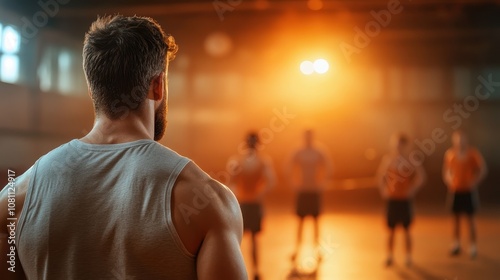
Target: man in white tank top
115, 204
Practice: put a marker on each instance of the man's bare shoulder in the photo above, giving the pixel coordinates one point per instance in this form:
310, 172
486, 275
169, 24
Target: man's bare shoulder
20, 182
449, 153
203, 199
18, 186
194, 179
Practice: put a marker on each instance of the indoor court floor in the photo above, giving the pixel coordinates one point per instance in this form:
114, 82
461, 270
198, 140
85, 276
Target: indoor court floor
353, 246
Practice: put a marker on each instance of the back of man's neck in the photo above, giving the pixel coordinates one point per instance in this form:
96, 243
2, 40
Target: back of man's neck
106, 131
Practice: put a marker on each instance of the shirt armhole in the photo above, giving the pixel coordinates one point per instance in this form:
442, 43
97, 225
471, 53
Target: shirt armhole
168, 203
27, 199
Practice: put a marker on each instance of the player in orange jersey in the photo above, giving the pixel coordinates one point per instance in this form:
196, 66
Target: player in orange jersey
253, 176
463, 169
398, 181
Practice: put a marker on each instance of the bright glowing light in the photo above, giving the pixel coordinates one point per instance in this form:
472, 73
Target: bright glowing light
9, 68
11, 40
307, 67
321, 66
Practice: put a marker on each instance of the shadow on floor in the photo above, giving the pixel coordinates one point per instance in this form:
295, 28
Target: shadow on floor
297, 275
425, 274
415, 272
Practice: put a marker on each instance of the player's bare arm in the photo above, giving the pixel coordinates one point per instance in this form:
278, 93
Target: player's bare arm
446, 168
214, 231
20, 187
482, 169
380, 176
418, 180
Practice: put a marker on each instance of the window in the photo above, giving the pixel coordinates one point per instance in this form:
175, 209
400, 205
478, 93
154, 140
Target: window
10, 43
45, 70
488, 79
65, 81
60, 71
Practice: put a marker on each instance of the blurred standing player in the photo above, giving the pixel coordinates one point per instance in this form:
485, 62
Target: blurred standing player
463, 169
315, 169
398, 181
252, 178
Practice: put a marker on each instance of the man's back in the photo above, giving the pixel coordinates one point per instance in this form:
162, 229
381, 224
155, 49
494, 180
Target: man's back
311, 161
103, 210
114, 204
398, 186
254, 176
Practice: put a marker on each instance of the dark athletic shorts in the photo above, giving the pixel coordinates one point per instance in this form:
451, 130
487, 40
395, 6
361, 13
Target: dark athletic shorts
308, 204
399, 212
252, 216
464, 203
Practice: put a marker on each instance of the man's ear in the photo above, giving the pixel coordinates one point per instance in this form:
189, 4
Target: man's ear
156, 89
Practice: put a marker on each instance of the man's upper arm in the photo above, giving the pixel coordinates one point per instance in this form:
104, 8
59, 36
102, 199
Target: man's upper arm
220, 255
382, 172
420, 177
19, 186
479, 159
481, 164
446, 166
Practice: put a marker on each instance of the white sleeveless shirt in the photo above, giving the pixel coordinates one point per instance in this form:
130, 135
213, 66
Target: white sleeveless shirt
103, 212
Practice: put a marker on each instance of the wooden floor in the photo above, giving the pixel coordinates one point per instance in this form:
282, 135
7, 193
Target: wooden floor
353, 247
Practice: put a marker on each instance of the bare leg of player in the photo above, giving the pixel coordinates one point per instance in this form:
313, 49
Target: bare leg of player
473, 248
390, 247
254, 256
455, 250
316, 238
299, 239
408, 242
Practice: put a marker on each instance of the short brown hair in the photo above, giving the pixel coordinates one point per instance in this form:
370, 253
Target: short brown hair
121, 55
